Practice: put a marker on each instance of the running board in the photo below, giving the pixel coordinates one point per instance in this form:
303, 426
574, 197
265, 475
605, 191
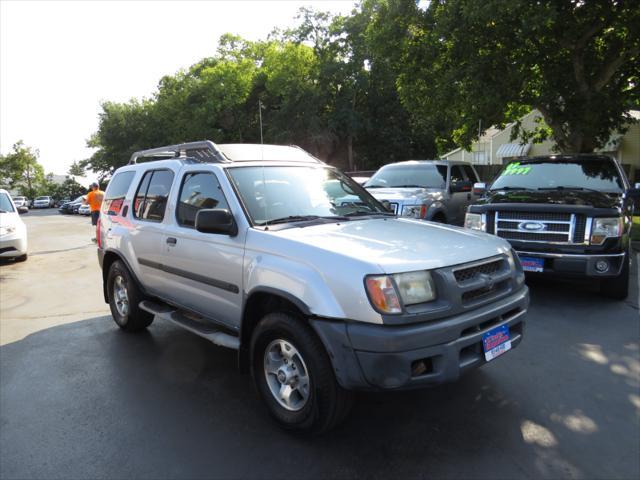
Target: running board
209, 332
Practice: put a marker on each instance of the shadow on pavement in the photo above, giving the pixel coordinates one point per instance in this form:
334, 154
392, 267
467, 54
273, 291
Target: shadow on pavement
85, 400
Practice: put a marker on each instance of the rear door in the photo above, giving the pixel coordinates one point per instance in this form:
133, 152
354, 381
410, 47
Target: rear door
204, 269
149, 212
460, 190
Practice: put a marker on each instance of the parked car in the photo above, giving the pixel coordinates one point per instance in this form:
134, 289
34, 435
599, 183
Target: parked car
13, 231
21, 202
84, 210
72, 206
43, 202
59, 203
565, 215
426, 189
245, 246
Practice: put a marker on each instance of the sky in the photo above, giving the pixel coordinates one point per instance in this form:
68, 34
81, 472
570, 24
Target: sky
60, 59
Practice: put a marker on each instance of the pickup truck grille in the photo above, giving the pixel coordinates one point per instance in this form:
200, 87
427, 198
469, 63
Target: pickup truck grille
465, 274
552, 227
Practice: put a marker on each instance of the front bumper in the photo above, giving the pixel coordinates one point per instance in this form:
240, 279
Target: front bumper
578, 265
376, 357
13, 246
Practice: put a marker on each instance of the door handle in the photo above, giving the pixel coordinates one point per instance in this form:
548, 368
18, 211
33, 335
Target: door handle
171, 241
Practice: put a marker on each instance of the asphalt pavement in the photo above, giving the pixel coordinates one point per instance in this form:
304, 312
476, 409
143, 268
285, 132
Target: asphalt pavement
81, 399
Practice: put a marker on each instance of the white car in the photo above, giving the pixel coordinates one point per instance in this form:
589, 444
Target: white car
84, 210
21, 202
13, 231
43, 202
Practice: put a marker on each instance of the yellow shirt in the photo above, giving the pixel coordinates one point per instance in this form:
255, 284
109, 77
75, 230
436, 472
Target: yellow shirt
94, 199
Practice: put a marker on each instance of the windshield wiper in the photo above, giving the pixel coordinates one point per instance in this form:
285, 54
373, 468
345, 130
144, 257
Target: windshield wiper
508, 189
302, 218
563, 187
361, 213
409, 186
376, 186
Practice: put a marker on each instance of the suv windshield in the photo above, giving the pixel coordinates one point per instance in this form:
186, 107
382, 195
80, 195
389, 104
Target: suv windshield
5, 203
299, 193
586, 174
409, 176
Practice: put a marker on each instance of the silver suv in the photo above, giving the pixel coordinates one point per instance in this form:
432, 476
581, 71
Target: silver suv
433, 190
266, 250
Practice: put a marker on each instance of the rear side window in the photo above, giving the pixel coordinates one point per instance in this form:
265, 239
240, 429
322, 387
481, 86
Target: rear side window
116, 192
199, 190
151, 197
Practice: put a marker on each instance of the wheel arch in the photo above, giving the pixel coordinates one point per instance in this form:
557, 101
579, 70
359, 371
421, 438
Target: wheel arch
109, 258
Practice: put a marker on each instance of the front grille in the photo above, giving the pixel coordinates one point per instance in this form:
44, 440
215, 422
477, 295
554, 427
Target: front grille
469, 273
484, 292
556, 227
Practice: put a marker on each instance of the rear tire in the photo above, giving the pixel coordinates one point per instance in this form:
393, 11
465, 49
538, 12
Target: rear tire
286, 349
124, 299
617, 287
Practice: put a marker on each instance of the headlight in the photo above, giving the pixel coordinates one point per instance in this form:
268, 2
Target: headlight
7, 230
604, 228
385, 291
474, 221
415, 287
414, 211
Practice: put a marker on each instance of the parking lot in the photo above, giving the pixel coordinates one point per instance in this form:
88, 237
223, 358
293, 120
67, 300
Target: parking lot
80, 399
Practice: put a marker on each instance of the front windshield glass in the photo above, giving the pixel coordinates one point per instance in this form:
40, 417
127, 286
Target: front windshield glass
298, 193
587, 174
5, 203
409, 176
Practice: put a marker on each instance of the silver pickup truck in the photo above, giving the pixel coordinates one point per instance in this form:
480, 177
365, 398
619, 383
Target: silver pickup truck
266, 250
434, 190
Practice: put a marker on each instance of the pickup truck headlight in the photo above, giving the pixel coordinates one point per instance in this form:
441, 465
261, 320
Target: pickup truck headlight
414, 211
385, 291
474, 221
603, 228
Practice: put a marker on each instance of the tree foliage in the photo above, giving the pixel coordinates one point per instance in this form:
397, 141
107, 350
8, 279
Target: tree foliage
577, 62
20, 170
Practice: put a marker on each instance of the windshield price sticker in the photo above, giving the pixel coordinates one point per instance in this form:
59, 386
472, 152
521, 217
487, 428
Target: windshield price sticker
516, 169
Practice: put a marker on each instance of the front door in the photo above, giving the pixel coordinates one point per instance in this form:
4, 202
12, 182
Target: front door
460, 191
204, 270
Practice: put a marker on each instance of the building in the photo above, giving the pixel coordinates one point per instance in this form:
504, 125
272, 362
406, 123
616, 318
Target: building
495, 146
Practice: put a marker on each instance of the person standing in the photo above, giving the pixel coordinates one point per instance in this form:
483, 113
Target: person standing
94, 199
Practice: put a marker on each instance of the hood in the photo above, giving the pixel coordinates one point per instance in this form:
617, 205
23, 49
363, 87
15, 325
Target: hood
393, 245
10, 219
403, 195
555, 197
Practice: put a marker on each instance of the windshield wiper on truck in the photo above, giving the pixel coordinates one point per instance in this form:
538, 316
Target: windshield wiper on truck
302, 218
362, 213
565, 187
508, 189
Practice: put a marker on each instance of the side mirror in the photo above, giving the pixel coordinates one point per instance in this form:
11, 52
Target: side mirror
387, 205
216, 220
22, 210
479, 188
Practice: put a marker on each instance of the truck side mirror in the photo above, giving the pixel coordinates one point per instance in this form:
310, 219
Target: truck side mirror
479, 188
216, 220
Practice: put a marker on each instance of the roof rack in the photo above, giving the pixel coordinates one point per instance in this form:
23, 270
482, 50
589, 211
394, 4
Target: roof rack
201, 151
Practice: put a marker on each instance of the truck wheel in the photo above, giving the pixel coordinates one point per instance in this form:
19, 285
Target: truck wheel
124, 298
294, 376
617, 287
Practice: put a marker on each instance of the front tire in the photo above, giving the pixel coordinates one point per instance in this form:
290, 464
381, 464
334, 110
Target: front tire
124, 299
617, 287
294, 376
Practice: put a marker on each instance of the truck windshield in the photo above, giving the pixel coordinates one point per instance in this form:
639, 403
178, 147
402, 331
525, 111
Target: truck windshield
578, 174
409, 176
279, 194
5, 203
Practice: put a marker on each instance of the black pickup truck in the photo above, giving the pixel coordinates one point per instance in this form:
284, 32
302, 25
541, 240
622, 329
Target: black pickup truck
565, 215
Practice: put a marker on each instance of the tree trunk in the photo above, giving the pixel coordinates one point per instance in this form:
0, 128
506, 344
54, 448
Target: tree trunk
350, 153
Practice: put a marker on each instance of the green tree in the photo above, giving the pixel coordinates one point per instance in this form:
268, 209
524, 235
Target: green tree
577, 62
20, 170
76, 169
